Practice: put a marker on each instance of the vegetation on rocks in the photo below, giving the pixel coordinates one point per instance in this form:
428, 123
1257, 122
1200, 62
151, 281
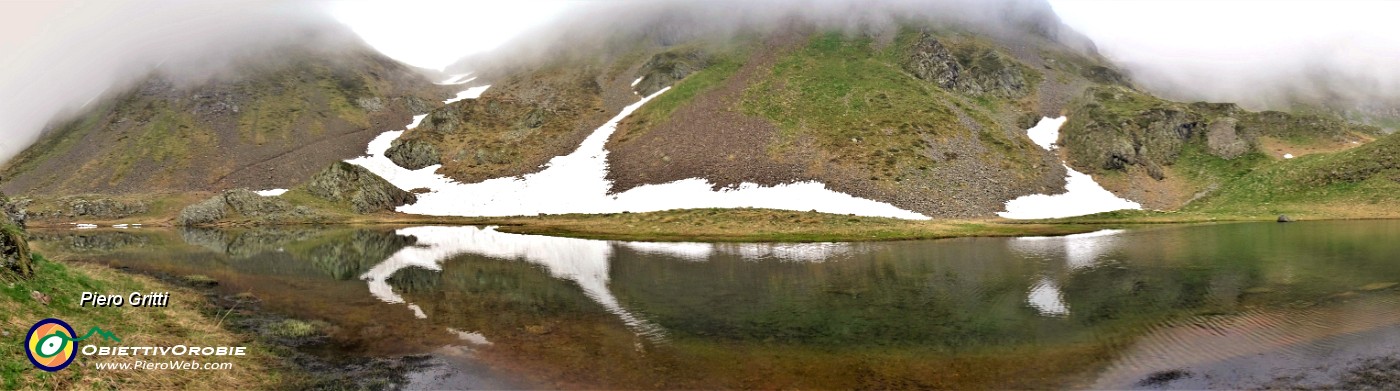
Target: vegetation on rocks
243, 204
413, 154
15, 257
667, 68
364, 191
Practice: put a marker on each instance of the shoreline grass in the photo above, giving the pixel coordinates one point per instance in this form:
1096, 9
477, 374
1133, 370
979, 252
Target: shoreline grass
184, 322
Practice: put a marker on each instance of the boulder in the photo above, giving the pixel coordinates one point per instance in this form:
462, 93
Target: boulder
1285, 219
1224, 141
413, 154
363, 190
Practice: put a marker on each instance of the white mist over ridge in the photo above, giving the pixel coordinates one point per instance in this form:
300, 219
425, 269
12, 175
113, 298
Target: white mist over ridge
577, 183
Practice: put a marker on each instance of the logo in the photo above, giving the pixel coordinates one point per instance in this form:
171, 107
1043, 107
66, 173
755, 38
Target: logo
51, 344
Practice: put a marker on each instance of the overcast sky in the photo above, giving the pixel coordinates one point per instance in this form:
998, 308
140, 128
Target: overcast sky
60, 54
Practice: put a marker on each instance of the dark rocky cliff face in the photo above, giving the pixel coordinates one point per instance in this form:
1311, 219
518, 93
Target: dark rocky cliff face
971, 71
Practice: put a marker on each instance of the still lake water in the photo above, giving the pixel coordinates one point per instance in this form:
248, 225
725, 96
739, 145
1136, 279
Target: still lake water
1207, 306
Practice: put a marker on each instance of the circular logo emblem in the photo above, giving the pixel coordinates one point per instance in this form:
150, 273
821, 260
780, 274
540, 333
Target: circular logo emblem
50, 345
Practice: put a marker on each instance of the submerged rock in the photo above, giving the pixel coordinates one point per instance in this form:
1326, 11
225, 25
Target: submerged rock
362, 189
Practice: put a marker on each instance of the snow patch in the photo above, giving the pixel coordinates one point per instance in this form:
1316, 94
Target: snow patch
1046, 132
470, 93
457, 79
639, 80
1082, 196
271, 192
1287, 156
577, 183
417, 120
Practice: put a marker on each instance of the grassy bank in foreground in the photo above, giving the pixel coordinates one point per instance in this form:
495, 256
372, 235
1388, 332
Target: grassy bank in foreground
183, 322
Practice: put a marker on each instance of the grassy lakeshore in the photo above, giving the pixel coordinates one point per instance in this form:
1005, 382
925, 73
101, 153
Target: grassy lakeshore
187, 320
767, 225
721, 225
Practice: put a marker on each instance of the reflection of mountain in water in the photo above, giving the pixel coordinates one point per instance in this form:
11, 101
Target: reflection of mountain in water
340, 253
92, 241
581, 261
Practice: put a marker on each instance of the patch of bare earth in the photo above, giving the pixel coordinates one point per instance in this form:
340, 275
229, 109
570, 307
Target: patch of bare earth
1276, 147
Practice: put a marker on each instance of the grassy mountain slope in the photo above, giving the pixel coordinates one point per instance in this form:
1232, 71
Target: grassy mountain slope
271, 126
929, 117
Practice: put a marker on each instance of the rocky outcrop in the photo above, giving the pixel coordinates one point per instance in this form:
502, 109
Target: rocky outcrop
1224, 141
1153, 141
666, 68
244, 205
931, 61
413, 154
14, 246
363, 190
969, 70
90, 207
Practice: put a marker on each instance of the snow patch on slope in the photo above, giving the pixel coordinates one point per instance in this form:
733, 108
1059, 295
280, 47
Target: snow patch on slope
577, 183
271, 192
470, 93
1046, 132
1082, 196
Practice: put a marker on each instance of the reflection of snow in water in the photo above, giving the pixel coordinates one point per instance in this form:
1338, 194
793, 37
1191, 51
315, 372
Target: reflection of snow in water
682, 250
583, 261
790, 252
577, 183
1045, 296
474, 338
1082, 196
1078, 251
798, 252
